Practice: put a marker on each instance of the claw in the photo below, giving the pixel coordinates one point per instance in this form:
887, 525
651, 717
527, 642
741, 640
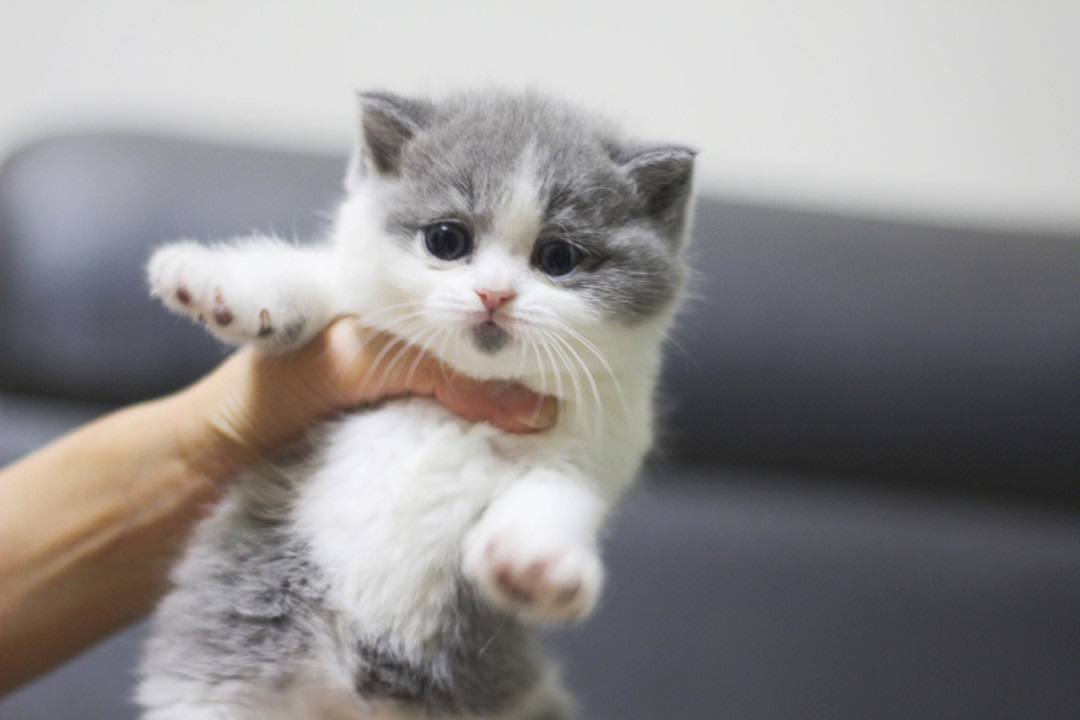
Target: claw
265, 328
222, 314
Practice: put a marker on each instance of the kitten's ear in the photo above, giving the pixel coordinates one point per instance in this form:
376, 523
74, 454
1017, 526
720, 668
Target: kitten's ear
663, 177
387, 122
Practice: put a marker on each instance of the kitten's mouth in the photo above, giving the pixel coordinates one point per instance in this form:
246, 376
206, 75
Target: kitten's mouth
490, 337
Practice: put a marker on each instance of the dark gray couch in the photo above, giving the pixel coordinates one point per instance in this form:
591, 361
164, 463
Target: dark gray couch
867, 501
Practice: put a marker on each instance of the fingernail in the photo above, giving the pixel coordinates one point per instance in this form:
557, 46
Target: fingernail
543, 415
525, 406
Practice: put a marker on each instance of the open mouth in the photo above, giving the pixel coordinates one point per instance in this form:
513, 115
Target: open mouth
490, 337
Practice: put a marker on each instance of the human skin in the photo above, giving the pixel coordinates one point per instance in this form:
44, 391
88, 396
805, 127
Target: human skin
89, 523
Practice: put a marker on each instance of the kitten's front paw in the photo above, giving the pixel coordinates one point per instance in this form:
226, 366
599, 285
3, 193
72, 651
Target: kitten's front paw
541, 577
203, 284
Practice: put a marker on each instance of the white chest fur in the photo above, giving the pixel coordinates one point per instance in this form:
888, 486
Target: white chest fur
394, 493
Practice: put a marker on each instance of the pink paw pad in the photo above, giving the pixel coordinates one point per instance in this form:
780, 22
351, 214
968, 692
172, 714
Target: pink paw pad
541, 586
221, 313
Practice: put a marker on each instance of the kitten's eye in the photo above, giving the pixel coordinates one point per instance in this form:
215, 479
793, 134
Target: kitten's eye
447, 240
557, 257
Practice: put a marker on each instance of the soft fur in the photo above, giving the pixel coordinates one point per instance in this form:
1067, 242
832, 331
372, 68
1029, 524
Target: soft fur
392, 564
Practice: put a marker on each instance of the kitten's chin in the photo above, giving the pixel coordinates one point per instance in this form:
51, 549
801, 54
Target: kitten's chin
489, 338
485, 355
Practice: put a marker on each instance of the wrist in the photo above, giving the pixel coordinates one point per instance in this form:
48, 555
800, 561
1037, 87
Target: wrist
202, 445
245, 409
212, 433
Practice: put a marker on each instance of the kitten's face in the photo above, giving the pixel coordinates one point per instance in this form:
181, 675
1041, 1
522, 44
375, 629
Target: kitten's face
508, 237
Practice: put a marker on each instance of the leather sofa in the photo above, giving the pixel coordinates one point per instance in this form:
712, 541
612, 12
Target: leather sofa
865, 503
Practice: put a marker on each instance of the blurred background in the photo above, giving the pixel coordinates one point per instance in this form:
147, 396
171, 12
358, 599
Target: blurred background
865, 504
966, 110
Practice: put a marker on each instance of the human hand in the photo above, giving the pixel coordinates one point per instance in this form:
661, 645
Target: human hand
254, 402
86, 521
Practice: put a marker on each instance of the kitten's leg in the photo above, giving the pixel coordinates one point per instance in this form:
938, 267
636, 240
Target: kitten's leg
258, 290
534, 550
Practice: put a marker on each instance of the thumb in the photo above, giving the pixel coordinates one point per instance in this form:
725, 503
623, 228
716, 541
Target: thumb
508, 405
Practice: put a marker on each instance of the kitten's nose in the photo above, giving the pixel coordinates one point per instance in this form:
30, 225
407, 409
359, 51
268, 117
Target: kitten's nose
495, 299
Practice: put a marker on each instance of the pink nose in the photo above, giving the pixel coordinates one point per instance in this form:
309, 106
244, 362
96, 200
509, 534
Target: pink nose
495, 299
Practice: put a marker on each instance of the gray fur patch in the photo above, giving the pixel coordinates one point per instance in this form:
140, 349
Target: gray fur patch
490, 338
481, 662
246, 604
249, 605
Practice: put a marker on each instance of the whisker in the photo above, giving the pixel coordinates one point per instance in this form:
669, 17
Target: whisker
603, 361
396, 318
394, 361
599, 413
554, 365
523, 354
578, 394
584, 367
369, 375
543, 368
425, 348
400, 355
447, 336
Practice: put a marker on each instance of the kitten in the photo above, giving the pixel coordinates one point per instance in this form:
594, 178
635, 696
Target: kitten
395, 569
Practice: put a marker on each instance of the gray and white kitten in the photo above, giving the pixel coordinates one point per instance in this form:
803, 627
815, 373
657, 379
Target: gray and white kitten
397, 568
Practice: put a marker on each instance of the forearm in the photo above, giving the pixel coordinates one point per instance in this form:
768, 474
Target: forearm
87, 525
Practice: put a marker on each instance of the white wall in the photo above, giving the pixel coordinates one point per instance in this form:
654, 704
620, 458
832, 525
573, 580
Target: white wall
955, 110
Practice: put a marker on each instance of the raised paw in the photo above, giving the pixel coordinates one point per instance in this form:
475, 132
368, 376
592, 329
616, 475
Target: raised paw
541, 578
212, 288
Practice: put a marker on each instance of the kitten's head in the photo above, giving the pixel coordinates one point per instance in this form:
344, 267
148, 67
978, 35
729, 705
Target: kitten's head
512, 236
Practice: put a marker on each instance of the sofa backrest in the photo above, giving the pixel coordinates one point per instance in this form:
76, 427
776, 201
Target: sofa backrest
816, 342
944, 357
79, 217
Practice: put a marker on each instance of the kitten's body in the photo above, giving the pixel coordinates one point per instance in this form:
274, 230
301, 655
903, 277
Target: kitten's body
392, 566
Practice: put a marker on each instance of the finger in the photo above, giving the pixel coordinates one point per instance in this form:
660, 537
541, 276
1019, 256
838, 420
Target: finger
367, 366
507, 405
364, 366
